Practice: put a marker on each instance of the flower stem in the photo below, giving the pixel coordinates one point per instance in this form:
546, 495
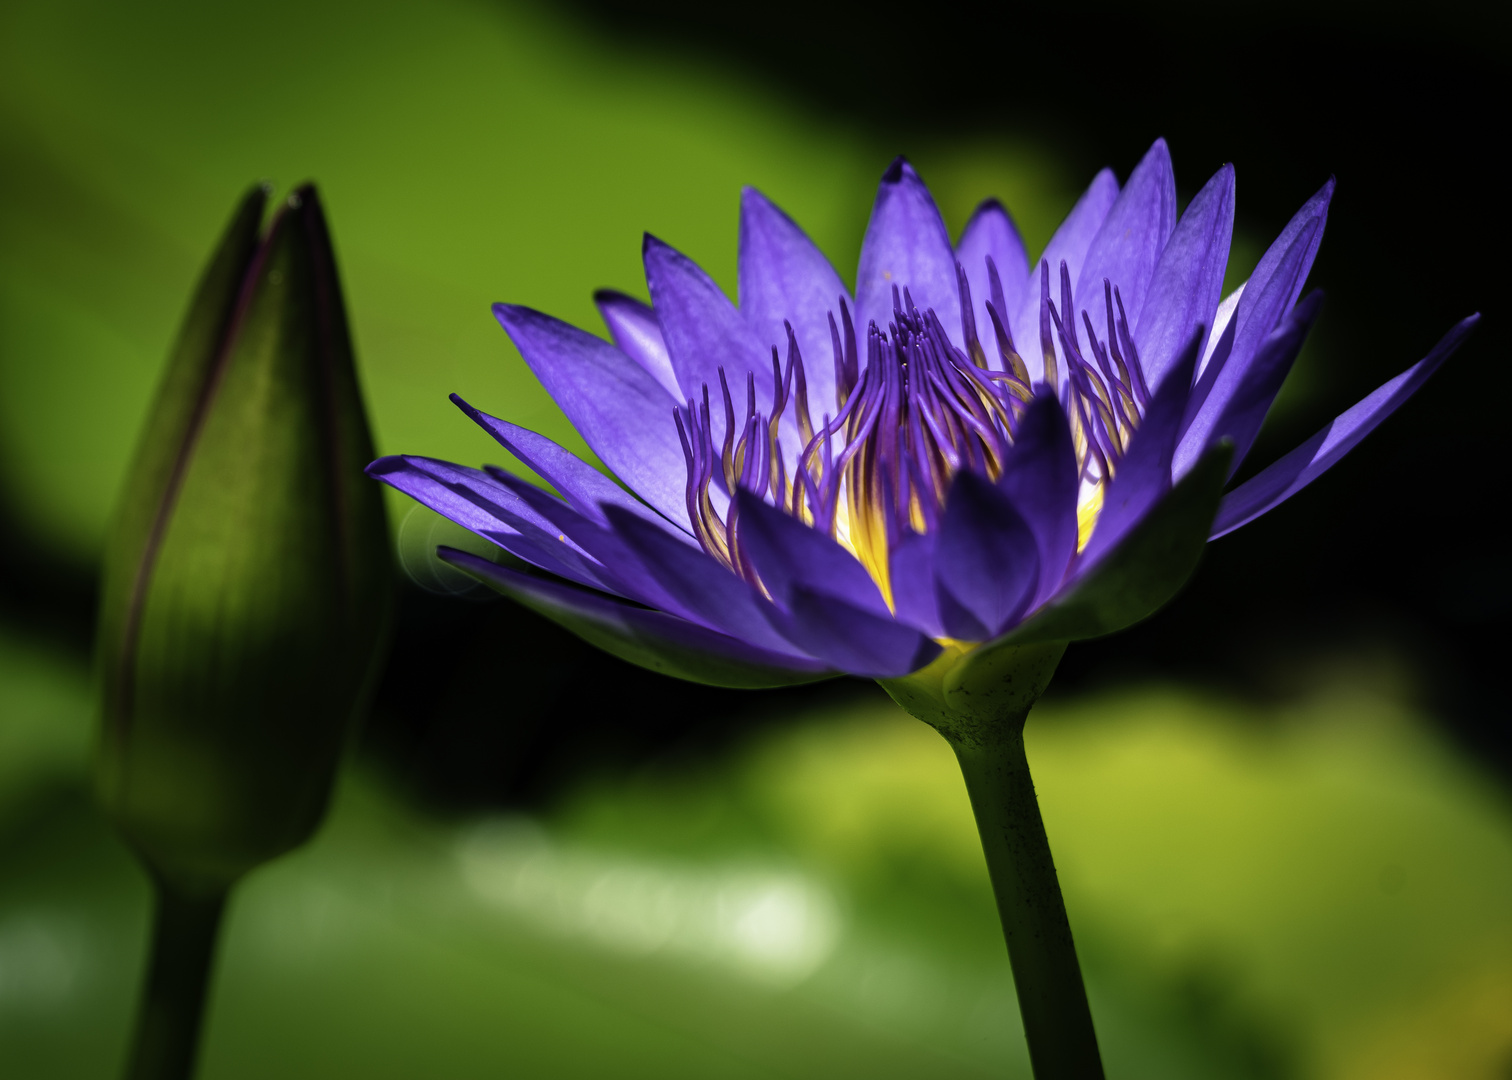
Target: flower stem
172, 1007
1052, 999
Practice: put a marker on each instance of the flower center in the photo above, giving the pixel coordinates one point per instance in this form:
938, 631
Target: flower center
918, 411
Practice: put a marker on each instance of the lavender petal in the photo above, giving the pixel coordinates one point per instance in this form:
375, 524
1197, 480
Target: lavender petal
623, 414
1289, 475
906, 246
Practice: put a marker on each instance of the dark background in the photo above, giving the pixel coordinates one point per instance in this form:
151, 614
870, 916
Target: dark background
1394, 554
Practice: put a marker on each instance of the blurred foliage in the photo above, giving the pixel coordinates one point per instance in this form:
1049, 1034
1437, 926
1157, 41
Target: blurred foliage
1315, 889
468, 154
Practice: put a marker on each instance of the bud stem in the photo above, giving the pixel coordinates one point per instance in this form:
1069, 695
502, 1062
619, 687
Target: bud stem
172, 1007
1052, 999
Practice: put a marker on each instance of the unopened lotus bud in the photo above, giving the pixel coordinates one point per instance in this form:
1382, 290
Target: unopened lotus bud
248, 578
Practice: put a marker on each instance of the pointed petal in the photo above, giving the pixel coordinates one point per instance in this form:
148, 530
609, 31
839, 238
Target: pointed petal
992, 233
986, 558
1144, 475
1220, 338
480, 504
637, 331
788, 555
1268, 295
705, 589
1188, 279
704, 332
623, 571
783, 276
1040, 478
906, 246
1306, 463
1069, 244
1246, 410
1132, 238
622, 413
649, 639
586, 490
914, 592
1143, 572
852, 640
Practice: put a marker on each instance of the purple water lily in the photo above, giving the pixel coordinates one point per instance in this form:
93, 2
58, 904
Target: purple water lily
937, 483
969, 449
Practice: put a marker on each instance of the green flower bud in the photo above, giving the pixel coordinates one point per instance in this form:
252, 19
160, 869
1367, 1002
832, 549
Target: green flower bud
247, 580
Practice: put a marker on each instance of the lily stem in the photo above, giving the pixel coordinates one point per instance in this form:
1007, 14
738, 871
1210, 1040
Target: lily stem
1052, 999
171, 1011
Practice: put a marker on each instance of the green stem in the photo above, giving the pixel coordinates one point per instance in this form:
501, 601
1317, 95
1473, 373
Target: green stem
1052, 999
173, 1001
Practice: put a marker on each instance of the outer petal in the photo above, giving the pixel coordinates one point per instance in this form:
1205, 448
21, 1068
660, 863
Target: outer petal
1268, 295
788, 555
991, 232
1306, 463
1144, 475
1069, 244
1246, 410
702, 587
783, 276
1132, 238
704, 333
637, 331
650, 639
622, 413
986, 558
906, 245
1040, 477
1221, 337
622, 571
855, 641
481, 504
1188, 280
586, 489
1144, 571
915, 594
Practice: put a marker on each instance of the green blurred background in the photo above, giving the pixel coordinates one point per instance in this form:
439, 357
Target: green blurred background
1280, 809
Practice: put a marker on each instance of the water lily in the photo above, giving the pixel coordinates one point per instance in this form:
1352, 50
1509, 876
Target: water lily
936, 481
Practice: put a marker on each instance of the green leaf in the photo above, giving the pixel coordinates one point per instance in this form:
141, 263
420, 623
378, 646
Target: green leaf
1148, 568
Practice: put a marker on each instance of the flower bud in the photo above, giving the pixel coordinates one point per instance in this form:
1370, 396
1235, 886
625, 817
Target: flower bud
247, 579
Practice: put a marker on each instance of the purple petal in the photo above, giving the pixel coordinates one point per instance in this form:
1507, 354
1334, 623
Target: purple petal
622, 413
783, 276
637, 331
1220, 338
914, 592
992, 233
482, 505
1144, 475
1040, 476
1132, 238
622, 569
651, 639
1188, 279
1246, 409
1283, 479
586, 489
845, 637
1069, 244
789, 555
986, 558
1268, 295
906, 246
704, 333
703, 588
